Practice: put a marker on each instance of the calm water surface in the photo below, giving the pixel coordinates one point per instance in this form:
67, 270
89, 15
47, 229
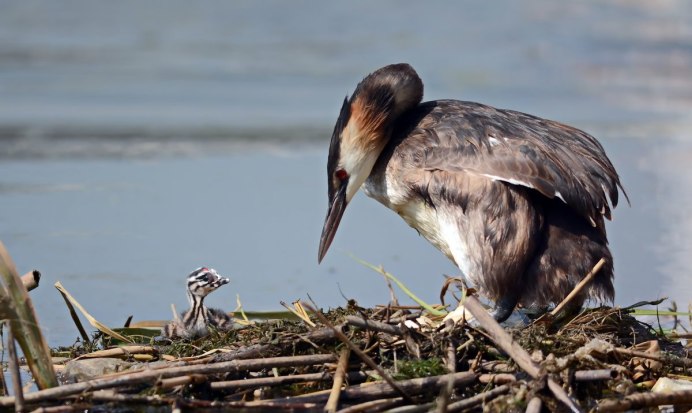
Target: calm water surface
139, 141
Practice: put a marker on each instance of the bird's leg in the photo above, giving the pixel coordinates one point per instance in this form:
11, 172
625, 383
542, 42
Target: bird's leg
535, 310
504, 307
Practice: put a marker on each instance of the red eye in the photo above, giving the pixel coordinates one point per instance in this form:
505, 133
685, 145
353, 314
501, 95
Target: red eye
341, 175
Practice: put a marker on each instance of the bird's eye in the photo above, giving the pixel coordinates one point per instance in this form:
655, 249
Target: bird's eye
341, 175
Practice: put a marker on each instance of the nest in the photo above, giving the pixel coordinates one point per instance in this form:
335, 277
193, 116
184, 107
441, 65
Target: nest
358, 359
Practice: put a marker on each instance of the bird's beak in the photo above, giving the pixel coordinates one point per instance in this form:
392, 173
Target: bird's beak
337, 205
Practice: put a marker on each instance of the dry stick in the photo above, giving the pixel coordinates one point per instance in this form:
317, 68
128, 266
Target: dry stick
500, 378
110, 396
580, 286
153, 375
478, 399
534, 405
333, 401
61, 409
119, 351
373, 405
676, 361
14, 370
271, 381
304, 317
514, 350
442, 400
258, 405
378, 326
31, 279
75, 319
595, 375
380, 390
451, 359
341, 336
497, 367
24, 324
641, 400
181, 381
415, 408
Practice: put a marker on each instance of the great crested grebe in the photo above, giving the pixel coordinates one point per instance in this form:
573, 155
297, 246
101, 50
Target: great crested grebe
515, 201
196, 321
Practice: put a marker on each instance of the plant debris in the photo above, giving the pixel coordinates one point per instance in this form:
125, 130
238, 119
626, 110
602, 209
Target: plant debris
355, 359
603, 359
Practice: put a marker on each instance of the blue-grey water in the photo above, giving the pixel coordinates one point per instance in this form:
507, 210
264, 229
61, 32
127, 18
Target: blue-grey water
140, 140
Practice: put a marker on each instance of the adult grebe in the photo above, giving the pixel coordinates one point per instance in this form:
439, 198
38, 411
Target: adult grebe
516, 201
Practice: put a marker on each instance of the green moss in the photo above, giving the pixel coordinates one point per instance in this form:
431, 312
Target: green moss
410, 369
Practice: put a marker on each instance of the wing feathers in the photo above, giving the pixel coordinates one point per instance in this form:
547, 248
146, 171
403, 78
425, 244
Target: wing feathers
554, 159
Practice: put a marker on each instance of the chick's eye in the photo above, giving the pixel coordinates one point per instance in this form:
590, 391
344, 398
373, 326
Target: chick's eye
341, 175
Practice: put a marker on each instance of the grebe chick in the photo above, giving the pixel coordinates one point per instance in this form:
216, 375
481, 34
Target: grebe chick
196, 321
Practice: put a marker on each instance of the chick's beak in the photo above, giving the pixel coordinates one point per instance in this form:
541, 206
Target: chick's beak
337, 205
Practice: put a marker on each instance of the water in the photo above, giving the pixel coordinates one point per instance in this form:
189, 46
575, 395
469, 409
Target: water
139, 141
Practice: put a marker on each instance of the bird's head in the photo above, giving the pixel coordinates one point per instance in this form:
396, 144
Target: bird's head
361, 133
203, 281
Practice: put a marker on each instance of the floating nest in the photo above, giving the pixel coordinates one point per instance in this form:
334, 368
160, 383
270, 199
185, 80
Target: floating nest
384, 358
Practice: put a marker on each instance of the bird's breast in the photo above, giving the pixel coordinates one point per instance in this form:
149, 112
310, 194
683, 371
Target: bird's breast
417, 214
424, 219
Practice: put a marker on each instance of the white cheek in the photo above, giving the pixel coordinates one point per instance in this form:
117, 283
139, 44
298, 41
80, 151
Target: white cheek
358, 166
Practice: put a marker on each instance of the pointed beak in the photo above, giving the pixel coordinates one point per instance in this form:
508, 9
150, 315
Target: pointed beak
337, 205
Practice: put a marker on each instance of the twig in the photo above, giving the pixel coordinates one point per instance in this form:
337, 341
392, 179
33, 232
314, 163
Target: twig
442, 400
239, 308
514, 350
339, 375
580, 286
277, 381
181, 381
370, 391
341, 336
24, 324
534, 406
451, 359
119, 351
14, 371
93, 321
111, 396
31, 279
76, 320
414, 408
641, 400
374, 405
148, 376
501, 378
176, 317
676, 361
4, 391
256, 405
373, 325
401, 285
480, 398
299, 312
595, 375
497, 366
62, 409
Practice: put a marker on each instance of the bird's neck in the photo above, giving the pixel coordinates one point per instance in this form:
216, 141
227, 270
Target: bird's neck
198, 314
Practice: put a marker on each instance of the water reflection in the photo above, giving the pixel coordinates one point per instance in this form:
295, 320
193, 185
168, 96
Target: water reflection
139, 141
672, 196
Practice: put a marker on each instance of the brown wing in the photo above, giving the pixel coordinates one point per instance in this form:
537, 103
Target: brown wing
554, 159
